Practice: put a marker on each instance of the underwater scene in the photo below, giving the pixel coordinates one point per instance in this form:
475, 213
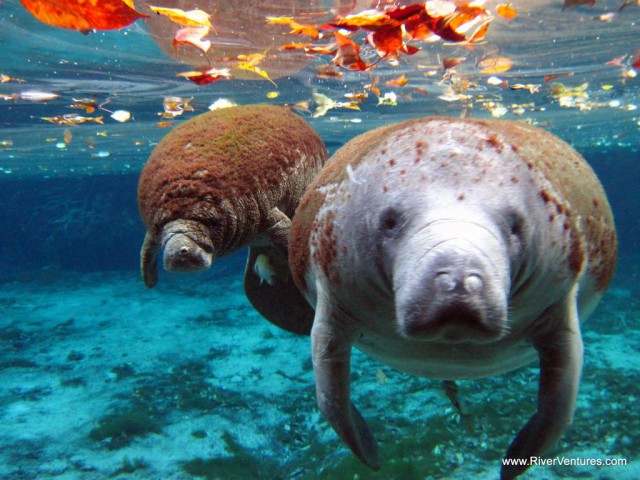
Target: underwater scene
187, 292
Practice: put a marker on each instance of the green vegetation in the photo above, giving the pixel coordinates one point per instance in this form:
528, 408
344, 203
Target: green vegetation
239, 466
130, 466
118, 430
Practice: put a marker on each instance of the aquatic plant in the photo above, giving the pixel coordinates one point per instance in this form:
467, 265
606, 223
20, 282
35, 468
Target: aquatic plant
122, 371
73, 382
119, 429
130, 466
241, 465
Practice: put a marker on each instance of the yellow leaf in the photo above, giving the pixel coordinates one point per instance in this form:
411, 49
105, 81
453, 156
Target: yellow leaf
496, 65
252, 68
192, 18
252, 58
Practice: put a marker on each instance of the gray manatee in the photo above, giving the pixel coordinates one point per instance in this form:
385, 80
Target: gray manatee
228, 179
453, 249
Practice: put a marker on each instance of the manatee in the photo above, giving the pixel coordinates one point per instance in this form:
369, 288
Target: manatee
453, 249
228, 179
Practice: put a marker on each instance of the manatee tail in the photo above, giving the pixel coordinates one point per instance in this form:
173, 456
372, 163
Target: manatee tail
149, 260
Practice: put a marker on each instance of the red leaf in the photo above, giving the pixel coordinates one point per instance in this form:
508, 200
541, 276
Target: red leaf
193, 36
348, 54
83, 14
387, 42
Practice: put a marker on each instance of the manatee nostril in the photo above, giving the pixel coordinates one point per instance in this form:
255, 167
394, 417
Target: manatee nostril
473, 283
445, 281
184, 251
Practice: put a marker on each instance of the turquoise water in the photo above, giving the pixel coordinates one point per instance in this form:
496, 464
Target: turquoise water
101, 377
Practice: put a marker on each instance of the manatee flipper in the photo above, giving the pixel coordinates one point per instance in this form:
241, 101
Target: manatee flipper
561, 353
331, 352
279, 301
149, 261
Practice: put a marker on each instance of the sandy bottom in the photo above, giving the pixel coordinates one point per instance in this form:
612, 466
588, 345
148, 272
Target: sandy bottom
103, 378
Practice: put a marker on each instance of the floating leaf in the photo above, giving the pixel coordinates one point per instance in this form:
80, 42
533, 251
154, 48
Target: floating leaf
295, 46
192, 36
175, 106
250, 67
495, 81
617, 62
548, 78
450, 62
357, 96
390, 99
397, 82
121, 116
575, 3
505, 10
6, 78
191, 18
495, 65
206, 76
222, 103
272, 95
89, 105
348, 54
68, 136
533, 88
605, 17
389, 42
368, 19
324, 104
72, 119
83, 15
296, 28
372, 86
327, 71
36, 96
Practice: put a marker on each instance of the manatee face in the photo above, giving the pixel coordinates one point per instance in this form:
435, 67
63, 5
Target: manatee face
450, 250
186, 247
451, 278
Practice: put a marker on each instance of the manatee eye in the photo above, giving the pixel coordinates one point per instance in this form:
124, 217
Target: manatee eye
516, 233
516, 225
391, 222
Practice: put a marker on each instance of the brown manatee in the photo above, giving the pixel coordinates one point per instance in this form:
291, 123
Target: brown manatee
453, 249
228, 179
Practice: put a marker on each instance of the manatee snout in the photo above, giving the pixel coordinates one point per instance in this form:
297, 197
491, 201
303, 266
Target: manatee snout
184, 255
455, 294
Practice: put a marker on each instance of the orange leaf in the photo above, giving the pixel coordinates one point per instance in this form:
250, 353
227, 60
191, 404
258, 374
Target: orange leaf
397, 82
505, 10
369, 19
295, 46
348, 54
193, 36
372, 86
496, 65
296, 28
450, 62
388, 42
83, 14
